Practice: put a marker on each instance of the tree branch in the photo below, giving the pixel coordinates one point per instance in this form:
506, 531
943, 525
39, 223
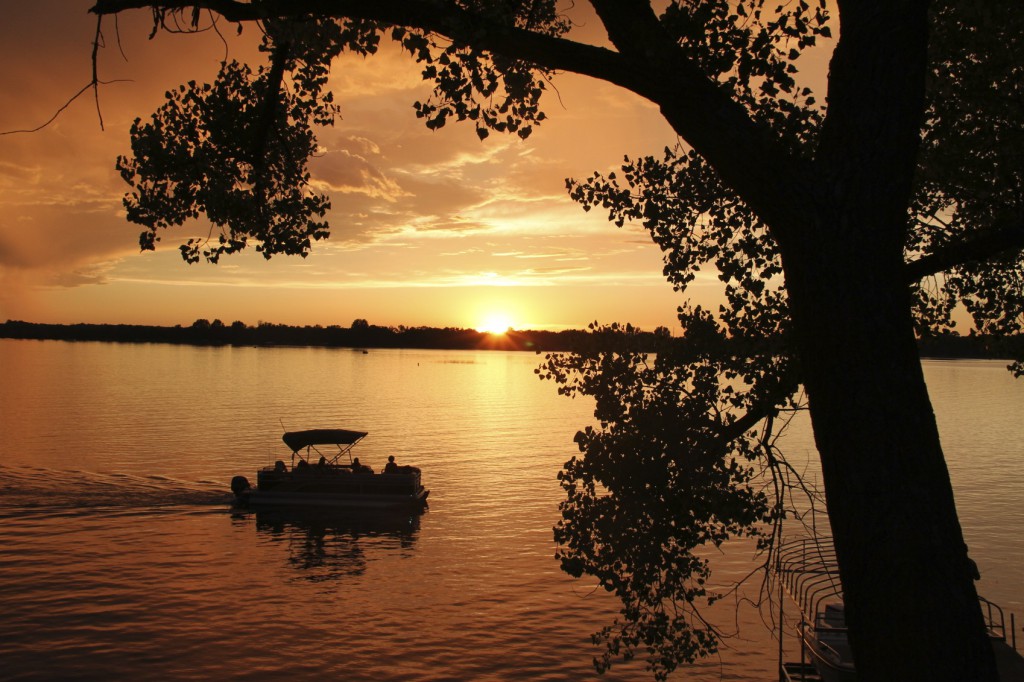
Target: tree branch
730, 432
268, 109
96, 42
434, 16
976, 248
747, 156
93, 84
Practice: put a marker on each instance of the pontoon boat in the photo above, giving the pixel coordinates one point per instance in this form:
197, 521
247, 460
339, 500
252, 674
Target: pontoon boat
328, 482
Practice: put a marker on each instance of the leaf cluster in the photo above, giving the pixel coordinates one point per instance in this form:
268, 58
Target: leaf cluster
237, 149
669, 473
972, 167
494, 93
751, 48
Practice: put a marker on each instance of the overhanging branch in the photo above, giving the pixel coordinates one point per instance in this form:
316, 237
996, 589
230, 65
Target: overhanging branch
979, 247
442, 18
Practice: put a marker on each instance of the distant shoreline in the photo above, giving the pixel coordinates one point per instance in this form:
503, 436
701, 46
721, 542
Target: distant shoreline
366, 336
363, 336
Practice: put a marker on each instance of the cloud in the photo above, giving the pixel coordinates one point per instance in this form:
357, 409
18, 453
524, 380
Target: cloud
343, 171
436, 196
389, 74
355, 144
559, 256
436, 227
53, 239
12, 174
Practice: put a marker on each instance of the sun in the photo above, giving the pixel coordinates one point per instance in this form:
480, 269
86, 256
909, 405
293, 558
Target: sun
495, 323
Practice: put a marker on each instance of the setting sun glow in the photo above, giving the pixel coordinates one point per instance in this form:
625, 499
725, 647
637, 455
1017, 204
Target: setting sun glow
495, 323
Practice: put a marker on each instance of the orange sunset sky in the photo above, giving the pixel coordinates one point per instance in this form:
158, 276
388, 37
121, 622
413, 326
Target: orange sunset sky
428, 228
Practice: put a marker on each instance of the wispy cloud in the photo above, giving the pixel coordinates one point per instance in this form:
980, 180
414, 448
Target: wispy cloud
343, 171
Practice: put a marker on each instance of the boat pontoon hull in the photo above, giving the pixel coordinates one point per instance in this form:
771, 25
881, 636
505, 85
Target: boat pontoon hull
296, 498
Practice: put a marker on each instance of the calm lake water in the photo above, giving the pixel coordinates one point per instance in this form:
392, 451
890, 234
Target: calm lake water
122, 557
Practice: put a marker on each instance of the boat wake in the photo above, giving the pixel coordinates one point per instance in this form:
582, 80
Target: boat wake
40, 491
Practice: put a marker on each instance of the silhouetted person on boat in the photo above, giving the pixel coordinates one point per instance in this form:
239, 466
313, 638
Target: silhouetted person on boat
972, 566
358, 468
391, 467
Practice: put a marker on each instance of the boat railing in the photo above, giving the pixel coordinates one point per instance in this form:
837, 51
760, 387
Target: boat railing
809, 572
408, 477
995, 622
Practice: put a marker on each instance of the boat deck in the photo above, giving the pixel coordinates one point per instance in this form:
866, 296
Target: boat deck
1009, 662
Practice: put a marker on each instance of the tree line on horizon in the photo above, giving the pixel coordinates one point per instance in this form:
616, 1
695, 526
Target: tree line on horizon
360, 335
363, 335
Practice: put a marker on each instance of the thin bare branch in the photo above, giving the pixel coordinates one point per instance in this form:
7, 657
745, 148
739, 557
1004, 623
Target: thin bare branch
96, 42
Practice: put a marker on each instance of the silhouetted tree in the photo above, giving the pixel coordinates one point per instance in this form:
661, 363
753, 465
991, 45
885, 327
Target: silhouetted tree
811, 217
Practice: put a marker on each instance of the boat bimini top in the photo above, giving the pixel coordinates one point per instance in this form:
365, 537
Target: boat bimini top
342, 438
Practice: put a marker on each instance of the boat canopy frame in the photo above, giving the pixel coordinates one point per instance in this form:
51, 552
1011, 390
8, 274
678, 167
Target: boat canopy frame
343, 439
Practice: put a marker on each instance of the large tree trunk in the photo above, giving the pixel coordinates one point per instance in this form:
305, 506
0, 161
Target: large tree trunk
911, 604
